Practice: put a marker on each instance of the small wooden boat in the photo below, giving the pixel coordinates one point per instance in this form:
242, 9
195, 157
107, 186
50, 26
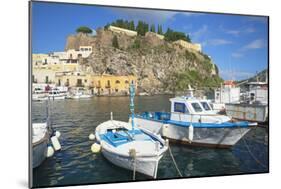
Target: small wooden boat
137, 149
44, 141
40, 140
125, 146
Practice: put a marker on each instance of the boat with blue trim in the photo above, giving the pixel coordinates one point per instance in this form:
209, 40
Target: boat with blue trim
192, 121
137, 150
131, 148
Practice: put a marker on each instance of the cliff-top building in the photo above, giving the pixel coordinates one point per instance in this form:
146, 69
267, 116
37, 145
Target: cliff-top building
187, 45
122, 31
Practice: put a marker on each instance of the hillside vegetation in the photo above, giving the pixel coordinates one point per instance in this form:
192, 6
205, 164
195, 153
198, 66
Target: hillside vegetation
160, 66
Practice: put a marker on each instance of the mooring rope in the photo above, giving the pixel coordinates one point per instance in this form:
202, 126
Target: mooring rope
174, 161
250, 152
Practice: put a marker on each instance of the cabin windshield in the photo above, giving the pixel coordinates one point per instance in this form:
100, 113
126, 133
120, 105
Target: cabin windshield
180, 107
205, 106
196, 106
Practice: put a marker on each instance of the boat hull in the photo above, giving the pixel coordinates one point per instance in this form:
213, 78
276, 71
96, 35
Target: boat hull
249, 112
209, 137
39, 152
145, 165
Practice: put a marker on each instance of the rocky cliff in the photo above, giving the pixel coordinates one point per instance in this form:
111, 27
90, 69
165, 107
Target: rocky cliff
161, 67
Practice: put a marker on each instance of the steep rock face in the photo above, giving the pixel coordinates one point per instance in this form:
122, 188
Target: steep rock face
154, 61
80, 39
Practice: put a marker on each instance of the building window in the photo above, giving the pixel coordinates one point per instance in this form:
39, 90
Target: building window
79, 55
117, 81
85, 80
59, 83
67, 82
46, 79
79, 83
126, 81
116, 90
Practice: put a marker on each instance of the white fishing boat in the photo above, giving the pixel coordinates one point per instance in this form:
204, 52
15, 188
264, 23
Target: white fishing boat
44, 141
40, 140
131, 148
79, 94
192, 121
137, 149
39, 95
56, 94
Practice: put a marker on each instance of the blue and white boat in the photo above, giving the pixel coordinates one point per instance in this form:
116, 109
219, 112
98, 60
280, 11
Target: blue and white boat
131, 148
192, 121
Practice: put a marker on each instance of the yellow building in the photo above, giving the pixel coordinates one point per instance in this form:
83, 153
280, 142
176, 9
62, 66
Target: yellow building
122, 31
100, 84
113, 85
39, 59
74, 79
185, 44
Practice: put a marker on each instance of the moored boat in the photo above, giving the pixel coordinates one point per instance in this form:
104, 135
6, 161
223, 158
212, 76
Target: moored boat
137, 149
79, 94
56, 94
44, 141
131, 148
40, 140
189, 122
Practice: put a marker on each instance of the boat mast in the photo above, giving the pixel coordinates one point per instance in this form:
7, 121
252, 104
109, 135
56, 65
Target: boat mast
132, 107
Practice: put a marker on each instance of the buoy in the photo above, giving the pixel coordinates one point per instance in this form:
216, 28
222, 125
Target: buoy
50, 151
57, 133
167, 142
165, 131
190, 133
92, 136
56, 143
95, 148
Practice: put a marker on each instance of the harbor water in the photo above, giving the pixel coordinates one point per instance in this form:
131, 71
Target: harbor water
76, 164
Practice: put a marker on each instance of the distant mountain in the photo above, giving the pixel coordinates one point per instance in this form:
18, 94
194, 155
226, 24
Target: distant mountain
261, 76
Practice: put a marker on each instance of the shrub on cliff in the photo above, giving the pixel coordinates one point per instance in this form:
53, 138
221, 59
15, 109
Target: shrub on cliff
115, 43
84, 29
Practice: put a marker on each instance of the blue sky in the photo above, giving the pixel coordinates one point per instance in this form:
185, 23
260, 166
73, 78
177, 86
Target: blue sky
237, 44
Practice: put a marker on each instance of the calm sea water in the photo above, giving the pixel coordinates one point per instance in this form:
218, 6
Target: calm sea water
76, 164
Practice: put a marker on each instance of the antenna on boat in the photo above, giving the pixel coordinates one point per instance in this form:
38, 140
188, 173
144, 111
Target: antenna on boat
190, 91
48, 113
132, 107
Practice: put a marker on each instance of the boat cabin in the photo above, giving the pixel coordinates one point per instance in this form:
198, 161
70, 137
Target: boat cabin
191, 109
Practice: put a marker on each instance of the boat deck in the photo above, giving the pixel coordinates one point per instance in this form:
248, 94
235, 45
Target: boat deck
164, 117
118, 138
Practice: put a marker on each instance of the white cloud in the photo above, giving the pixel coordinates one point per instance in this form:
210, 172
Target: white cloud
236, 32
235, 74
237, 55
216, 42
253, 45
256, 44
199, 33
157, 16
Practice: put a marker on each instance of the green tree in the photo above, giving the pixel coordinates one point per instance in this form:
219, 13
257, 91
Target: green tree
152, 28
159, 30
115, 43
142, 28
84, 29
171, 35
132, 25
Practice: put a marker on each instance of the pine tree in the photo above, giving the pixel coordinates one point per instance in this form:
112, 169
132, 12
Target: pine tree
115, 42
